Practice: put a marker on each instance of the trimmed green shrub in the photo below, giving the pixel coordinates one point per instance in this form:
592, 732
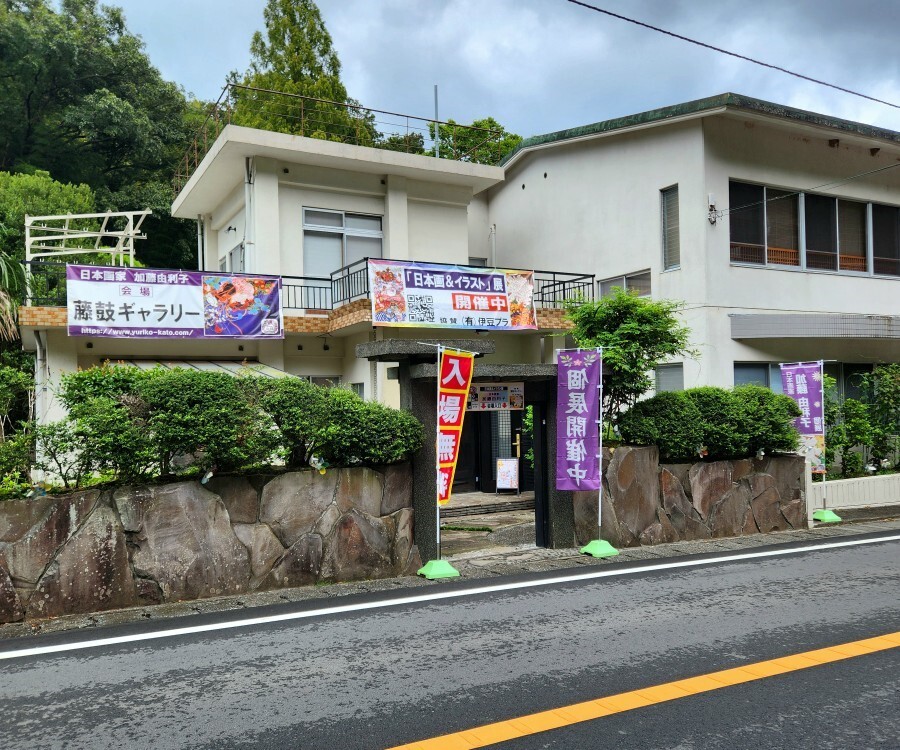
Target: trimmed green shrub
114, 439
723, 422
299, 409
366, 432
669, 420
106, 381
769, 419
205, 416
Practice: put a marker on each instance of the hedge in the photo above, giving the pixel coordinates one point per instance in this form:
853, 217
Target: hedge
127, 424
713, 422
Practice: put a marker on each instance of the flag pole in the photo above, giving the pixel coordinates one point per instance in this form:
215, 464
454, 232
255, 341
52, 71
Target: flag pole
438, 568
824, 515
599, 547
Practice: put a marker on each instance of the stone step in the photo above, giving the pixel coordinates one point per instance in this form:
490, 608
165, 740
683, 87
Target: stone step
504, 506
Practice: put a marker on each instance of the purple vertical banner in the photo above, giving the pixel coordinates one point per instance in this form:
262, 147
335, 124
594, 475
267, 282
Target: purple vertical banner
577, 415
803, 383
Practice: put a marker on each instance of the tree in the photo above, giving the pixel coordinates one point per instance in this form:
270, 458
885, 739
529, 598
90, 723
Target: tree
485, 141
882, 389
411, 143
636, 335
81, 100
296, 56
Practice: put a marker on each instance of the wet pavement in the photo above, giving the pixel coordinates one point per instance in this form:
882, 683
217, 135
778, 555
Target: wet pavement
504, 551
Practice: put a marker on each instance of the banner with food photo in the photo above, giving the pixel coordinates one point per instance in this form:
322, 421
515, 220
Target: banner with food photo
434, 295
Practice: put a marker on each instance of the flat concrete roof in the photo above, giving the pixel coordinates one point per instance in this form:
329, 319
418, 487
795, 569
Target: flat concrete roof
222, 169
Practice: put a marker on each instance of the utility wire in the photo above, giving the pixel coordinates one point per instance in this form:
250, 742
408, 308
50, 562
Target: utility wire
732, 54
832, 184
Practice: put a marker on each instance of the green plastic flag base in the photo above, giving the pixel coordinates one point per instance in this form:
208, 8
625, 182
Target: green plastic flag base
435, 569
826, 516
599, 548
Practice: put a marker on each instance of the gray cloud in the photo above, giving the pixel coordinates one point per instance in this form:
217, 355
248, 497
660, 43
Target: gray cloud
542, 65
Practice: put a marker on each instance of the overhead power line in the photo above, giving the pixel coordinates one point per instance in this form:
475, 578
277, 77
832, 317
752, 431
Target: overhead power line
732, 54
829, 185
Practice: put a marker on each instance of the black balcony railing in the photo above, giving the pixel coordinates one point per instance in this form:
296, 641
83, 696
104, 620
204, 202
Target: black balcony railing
47, 287
554, 290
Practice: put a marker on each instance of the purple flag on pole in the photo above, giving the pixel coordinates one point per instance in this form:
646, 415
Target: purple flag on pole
577, 415
803, 383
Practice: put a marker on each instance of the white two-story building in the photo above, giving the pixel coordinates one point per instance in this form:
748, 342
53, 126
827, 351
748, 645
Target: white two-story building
779, 230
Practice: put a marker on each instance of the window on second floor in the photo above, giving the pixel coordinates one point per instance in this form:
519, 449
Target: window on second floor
334, 239
636, 283
835, 234
670, 236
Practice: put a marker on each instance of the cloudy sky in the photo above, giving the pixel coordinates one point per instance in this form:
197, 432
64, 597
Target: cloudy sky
543, 65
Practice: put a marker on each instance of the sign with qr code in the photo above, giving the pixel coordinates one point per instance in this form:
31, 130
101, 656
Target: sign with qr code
433, 295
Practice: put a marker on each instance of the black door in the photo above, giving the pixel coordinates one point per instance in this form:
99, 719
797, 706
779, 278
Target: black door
467, 464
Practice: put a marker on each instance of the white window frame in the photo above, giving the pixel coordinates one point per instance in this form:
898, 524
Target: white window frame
663, 199
624, 282
343, 231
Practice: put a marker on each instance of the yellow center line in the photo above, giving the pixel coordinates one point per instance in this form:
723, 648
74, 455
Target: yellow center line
501, 731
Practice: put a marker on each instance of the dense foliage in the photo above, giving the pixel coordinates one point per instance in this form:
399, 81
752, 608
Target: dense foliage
127, 424
863, 435
636, 334
712, 423
295, 56
670, 420
82, 101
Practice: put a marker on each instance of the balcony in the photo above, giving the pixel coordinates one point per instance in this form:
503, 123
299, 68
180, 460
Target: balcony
323, 304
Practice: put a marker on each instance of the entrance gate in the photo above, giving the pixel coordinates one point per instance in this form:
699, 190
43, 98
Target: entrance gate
417, 373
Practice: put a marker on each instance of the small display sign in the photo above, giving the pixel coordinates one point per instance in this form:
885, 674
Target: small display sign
496, 397
507, 473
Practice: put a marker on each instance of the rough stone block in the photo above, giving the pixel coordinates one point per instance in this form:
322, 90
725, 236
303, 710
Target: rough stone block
727, 517
11, 609
31, 531
397, 488
709, 484
360, 548
766, 503
300, 565
264, 548
240, 497
634, 486
292, 503
185, 542
90, 573
360, 488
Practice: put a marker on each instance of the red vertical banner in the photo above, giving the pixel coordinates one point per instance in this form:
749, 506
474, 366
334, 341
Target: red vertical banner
454, 379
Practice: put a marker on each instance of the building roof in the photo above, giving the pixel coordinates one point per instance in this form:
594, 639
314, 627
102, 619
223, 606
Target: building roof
699, 108
222, 168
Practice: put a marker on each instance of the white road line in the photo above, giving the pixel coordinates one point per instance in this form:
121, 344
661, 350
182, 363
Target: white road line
430, 597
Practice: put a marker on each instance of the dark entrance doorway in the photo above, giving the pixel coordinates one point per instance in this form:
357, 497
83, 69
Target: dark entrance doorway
487, 436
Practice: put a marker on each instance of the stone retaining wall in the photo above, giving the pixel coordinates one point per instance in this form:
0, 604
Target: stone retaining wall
96, 550
645, 502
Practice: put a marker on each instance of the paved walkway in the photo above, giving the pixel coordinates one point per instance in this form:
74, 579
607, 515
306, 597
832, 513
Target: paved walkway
497, 560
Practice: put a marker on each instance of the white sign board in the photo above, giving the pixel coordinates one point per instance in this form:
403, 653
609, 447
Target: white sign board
507, 473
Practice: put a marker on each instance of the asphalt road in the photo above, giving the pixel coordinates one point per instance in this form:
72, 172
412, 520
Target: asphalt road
391, 675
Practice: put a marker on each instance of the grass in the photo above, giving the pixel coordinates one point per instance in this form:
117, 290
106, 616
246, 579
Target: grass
465, 528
